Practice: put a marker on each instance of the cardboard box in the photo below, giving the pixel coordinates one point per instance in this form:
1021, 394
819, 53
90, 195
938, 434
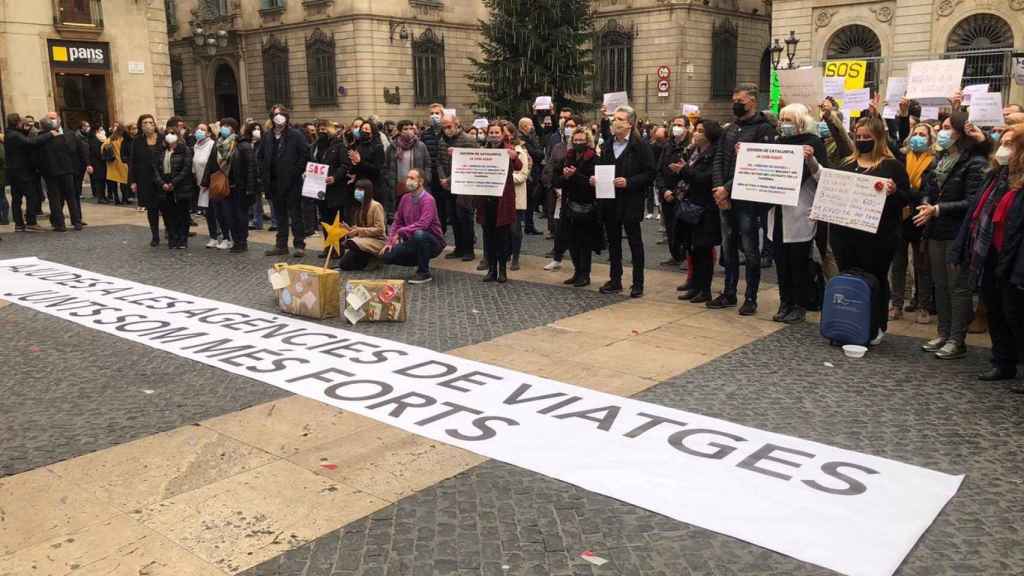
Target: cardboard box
305, 290
375, 301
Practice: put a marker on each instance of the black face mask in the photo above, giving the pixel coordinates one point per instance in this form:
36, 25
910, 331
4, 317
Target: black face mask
865, 146
739, 109
579, 148
321, 136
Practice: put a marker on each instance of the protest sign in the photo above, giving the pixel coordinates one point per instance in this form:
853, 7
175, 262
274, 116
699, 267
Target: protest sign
895, 88
1018, 70
768, 173
450, 112
689, 109
314, 185
481, 123
986, 109
929, 112
853, 72
613, 100
479, 171
968, 91
856, 100
542, 103
849, 199
801, 86
841, 509
834, 87
604, 175
934, 80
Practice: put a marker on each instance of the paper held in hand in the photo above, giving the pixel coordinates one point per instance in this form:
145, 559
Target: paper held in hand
986, 109
479, 171
613, 100
768, 173
801, 86
849, 199
314, 185
542, 103
934, 80
604, 175
895, 88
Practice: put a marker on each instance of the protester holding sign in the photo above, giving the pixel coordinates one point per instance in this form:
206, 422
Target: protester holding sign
460, 207
580, 206
329, 149
790, 227
496, 215
958, 176
857, 249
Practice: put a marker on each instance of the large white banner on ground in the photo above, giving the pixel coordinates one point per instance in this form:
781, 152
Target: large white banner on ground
843, 510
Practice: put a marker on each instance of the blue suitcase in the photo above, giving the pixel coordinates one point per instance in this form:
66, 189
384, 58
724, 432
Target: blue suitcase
846, 313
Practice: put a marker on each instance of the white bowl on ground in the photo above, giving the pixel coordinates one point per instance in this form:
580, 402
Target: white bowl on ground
854, 351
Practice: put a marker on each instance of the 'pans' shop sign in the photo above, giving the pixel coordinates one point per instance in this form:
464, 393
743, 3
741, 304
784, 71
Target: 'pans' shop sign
79, 54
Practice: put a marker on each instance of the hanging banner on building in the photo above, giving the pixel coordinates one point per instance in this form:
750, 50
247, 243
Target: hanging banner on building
844, 510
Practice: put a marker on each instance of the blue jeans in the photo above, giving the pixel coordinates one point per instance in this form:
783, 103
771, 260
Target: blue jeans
416, 250
256, 212
740, 230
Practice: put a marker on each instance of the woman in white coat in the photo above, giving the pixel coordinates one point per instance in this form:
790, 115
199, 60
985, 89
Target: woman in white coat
789, 227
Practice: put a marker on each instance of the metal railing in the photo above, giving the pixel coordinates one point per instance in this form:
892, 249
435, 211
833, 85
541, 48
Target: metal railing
992, 67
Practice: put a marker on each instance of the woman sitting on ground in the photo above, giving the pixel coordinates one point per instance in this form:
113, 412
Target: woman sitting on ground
368, 233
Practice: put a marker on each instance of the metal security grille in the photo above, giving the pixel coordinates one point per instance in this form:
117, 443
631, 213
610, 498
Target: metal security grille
723, 58
986, 42
321, 71
277, 87
428, 68
857, 42
614, 57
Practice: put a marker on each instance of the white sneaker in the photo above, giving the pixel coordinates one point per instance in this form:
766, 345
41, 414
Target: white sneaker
226, 244
878, 339
212, 243
649, 216
553, 265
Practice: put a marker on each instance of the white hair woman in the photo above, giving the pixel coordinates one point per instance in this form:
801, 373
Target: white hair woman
790, 227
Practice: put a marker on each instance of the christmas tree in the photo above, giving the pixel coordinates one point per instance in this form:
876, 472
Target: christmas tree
533, 48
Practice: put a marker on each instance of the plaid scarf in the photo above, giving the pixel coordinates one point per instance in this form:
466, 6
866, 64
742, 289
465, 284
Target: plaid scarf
981, 228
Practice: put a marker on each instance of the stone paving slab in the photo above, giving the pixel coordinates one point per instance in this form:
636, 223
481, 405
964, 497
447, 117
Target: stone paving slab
497, 519
69, 390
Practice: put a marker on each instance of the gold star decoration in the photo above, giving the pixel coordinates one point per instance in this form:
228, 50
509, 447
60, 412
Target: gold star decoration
335, 232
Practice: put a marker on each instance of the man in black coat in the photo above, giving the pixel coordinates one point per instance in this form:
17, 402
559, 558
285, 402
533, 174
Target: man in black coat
739, 217
20, 148
431, 137
283, 154
634, 172
60, 160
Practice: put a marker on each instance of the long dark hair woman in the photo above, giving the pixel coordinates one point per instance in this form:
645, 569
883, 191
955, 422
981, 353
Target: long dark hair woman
497, 215
234, 156
579, 205
856, 249
704, 231
957, 177
368, 232
173, 178
146, 148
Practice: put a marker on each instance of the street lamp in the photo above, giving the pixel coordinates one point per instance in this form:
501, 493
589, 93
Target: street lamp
791, 43
776, 54
211, 40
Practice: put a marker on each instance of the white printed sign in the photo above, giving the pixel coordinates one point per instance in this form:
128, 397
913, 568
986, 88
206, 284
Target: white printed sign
934, 80
613, 100
542, 103
768, 173
857, 100
481, 123
801, 86
895, 88
849, 199
1018, 70
986, 109
479, 171
604, 177
969, 91
690, 109
834, 86
840, 509
929, 112
314, 185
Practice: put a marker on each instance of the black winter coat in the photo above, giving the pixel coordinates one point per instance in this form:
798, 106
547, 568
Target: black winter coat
283, 162
962, 184
62, 155
754, 129
180, 176
142, 168
697, 177
99, 166
335, 155
243, 175
673, 153
370, 167
636, 165
19, 150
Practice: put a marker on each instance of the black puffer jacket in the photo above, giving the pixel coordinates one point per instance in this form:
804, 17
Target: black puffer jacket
180, 176
963, 183
754, 129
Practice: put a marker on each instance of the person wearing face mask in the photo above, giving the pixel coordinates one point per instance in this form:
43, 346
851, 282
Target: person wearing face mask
234, 157
497, 215
789, 227
634, 172
580, 204
146, 149
659, 136
416, 235
919, 158
329, 148
284, 153
957, 177
216, 220
366, 157
529, 139
19, 148
173, 179
60, 158
739, 218
253, 134
987, 245
407, 153
554, 164
367, 233
873, 253
460, 207
524, 208
94, 140
673, 160
431, 136
693, 189
116, 167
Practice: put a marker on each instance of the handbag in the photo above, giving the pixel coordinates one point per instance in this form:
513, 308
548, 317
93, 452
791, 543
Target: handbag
219, 188
581, 213
689, 213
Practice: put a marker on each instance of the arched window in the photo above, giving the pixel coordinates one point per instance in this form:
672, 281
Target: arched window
614, 59
724, 36
985, 41
320, 68
178, 86
857, 42
276, 86
428, 68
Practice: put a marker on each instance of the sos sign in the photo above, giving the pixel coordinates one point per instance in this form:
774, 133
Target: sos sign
854, 71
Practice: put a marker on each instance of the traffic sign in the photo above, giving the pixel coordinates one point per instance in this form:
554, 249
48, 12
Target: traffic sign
664, 72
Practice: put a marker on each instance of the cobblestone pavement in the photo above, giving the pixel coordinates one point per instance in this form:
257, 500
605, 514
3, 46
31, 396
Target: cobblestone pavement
68, 390
497, 519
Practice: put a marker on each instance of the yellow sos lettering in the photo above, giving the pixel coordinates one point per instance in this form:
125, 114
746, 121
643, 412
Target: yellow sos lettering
854, 71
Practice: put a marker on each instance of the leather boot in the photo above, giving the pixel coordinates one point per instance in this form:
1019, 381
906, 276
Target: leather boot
502, 272
492, 272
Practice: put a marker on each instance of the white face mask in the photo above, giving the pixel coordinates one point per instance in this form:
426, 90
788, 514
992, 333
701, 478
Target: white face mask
568, 132
171, 139
256, 134
279, 119
1003, 155
411, 184
678, 131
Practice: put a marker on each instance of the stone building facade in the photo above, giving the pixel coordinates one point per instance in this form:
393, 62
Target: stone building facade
86, 59
892, 33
